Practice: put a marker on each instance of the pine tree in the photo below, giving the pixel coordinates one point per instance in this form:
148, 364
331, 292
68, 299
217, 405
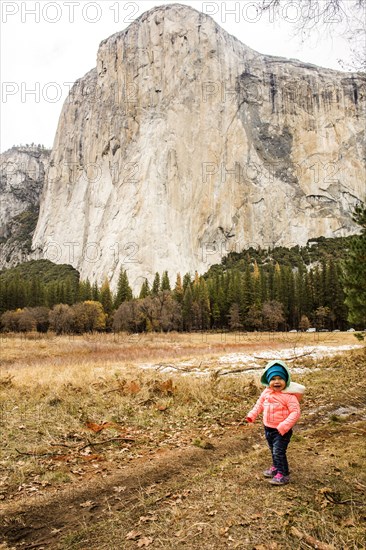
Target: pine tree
204, 304
355, 271
124, 291
248, 297
178, 289
165, 283
277, 283
60, 294
95, 292
68, 292
216, 314
156, 285
145, 290
51, 295
187, 309
106, 298
84, 292
335, 297
264, 286
318, 291
186, 281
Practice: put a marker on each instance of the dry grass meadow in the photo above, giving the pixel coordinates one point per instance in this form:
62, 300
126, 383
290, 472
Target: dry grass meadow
99, 453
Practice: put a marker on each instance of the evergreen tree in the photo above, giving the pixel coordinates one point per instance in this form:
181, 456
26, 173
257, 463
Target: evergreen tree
335, 297
60, 294
248, 298
222, 306
355, 271
51, 295
165, 283
204, 304
84, 292
124, 291
215, 315
106, 298
95, 292
2, 297
186, 281
187, 309
178, 289
317, 286
17, 297
145, 290
36, 293
68, 292
277, 284
156, 285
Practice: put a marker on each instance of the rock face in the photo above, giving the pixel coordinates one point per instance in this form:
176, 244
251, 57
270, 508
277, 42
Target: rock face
22, 175
183, 144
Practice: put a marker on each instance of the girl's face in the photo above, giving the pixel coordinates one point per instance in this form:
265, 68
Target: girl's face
277, 383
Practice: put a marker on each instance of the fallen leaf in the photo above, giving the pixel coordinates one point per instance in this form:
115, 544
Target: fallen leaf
133, 535
98, 427
167, 386
132, 387
145, 541
92, 457
61, 458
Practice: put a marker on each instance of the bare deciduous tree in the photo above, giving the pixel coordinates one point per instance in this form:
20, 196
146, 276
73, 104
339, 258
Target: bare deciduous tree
336, 17
273, 314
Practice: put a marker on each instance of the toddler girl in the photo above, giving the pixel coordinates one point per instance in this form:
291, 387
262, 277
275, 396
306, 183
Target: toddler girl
279, 403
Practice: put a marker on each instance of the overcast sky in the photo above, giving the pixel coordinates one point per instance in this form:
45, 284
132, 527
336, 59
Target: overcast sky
47, 45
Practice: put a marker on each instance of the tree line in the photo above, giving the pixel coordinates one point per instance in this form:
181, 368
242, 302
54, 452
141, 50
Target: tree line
260, 297
279, 289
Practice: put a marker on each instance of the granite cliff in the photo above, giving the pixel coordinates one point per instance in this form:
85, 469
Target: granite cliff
22, 175
183, 144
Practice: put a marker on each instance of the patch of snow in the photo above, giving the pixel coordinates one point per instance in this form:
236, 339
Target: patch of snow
287, 353
235, 360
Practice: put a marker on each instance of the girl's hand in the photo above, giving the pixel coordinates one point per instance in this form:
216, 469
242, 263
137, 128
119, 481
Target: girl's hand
248, 419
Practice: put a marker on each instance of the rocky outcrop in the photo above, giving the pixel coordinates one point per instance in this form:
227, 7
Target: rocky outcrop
22, 175
183, 144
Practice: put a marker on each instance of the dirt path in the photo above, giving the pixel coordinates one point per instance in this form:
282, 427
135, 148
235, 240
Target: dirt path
40, 524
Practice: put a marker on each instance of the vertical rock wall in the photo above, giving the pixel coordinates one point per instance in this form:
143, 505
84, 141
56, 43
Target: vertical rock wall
183, 144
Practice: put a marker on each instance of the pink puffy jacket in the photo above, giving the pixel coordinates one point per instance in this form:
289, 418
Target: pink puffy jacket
280, 410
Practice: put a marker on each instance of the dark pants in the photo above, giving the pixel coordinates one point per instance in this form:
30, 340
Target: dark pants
278, 444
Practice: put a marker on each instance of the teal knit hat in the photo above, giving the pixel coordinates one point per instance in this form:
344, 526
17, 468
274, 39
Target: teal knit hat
276, 370
277, 364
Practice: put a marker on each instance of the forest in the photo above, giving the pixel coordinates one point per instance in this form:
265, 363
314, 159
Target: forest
279, 289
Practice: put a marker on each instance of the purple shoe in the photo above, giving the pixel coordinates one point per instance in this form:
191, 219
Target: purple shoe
279, 479
271, 472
